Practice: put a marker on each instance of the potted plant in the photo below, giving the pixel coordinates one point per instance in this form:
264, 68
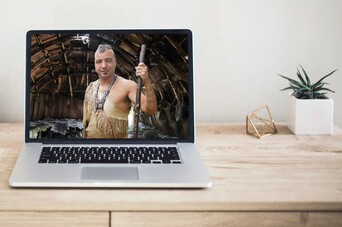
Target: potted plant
310, 110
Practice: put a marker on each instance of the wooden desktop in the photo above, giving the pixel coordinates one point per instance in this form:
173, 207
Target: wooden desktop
280, 180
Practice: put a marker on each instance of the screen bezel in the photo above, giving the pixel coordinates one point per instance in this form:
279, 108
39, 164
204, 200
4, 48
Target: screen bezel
191, 130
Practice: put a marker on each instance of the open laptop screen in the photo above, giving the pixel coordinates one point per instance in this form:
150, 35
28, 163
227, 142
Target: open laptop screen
81, 85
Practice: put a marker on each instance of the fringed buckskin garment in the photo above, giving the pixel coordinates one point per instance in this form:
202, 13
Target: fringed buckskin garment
110, 123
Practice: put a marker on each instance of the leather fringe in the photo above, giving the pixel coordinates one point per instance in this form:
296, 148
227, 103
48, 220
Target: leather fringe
119, 126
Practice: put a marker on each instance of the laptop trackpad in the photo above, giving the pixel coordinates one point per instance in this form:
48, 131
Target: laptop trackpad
109, 173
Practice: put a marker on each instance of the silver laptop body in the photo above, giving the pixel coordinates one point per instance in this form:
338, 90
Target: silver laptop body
59, 65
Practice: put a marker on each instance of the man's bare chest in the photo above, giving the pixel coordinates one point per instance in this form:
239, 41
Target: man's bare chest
119, 98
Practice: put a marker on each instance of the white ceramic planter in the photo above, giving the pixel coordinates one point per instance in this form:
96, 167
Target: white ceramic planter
310, 116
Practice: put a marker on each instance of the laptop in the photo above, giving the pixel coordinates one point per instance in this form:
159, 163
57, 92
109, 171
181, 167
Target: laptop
109, 109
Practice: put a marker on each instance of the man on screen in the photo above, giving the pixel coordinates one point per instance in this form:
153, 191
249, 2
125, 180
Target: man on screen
108, 100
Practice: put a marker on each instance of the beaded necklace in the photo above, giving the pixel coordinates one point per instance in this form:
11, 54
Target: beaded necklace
99, 105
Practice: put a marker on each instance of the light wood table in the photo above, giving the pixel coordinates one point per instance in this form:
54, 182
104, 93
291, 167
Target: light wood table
280, 180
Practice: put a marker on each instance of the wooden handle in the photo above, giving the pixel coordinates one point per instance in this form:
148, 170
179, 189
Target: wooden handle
142, 53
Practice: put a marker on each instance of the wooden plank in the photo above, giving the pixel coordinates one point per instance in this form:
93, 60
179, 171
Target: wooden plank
11, 132
50, 219
233, 219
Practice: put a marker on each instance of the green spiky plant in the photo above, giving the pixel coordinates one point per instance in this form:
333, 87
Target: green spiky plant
305, 89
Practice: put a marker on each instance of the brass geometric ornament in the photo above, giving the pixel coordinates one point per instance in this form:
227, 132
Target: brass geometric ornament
259, 123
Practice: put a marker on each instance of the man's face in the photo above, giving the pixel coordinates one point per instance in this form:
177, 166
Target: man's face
105, 64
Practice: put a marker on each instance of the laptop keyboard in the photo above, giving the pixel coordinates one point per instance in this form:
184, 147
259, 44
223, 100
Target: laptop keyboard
120, 155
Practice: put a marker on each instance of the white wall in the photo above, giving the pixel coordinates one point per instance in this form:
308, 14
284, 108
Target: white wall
240, 46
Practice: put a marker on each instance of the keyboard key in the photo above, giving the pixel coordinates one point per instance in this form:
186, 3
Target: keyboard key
176, 162
42, 160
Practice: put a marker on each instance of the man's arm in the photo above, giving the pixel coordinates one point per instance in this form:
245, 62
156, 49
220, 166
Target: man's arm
149, 99
85, 111
85, 121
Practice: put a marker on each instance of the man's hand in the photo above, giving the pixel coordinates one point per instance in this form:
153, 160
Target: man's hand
148, 98
142, 71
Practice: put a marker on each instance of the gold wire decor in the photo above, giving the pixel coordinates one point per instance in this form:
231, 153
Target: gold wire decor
259, 123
